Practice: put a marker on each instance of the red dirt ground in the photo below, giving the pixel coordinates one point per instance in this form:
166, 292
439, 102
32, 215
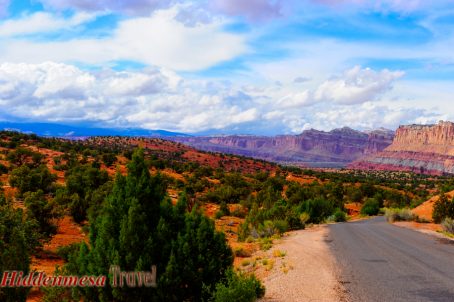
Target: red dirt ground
425, 210
68, 232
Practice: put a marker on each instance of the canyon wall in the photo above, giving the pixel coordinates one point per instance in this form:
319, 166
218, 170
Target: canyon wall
336, 148
417, 148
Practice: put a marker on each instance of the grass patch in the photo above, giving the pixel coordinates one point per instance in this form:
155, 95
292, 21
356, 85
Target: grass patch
265, 243
279, 253
399, 215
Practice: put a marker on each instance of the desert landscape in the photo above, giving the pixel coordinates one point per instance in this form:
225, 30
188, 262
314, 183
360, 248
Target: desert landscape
226, 151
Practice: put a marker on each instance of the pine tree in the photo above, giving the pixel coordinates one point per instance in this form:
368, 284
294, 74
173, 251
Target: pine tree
139, 227
17, 240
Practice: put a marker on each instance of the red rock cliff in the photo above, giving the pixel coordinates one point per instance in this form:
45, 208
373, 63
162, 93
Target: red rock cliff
337, 147
418, 148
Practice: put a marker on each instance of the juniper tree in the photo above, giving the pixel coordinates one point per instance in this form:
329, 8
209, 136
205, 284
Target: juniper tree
139, 227
18, 239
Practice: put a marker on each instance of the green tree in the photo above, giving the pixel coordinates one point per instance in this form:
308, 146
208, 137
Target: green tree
42, 211
138, 227
82, 190
18, 239
443, 208
32, 179
371, 207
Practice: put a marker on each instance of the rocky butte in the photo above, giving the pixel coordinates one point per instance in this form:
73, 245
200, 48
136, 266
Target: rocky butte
418, 148
313, 148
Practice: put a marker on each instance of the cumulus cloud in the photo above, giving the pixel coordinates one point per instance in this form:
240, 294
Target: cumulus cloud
41, 22
370, 116
155, 40
133, 7
158, 98
254, 10
357, 86
152, 98
299, 80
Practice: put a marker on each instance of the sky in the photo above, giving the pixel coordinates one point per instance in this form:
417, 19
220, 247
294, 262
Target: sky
262, 67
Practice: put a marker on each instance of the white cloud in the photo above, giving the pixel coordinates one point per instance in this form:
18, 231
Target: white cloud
41, 22
155, 40
252, 9
357, 86
133, 7
159, 98
153, 98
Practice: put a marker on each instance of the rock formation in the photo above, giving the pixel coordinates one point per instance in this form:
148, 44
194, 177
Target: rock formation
312, 147
419, 148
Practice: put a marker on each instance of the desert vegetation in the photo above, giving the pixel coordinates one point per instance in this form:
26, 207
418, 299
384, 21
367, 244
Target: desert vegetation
137, 202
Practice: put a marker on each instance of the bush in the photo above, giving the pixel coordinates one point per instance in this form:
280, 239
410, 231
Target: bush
339, 216
281, 226
219, 214
399, 215
304, 218
370, 207
448, 225
443, 208
239, 288
318, 209
42, 211
32, 179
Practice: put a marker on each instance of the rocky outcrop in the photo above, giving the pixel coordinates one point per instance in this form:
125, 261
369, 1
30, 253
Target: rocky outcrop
418, 148
312, 147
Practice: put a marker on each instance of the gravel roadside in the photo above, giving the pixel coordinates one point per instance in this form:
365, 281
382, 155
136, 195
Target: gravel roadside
307, 272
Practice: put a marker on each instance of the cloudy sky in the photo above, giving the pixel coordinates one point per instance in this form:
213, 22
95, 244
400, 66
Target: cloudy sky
227, 66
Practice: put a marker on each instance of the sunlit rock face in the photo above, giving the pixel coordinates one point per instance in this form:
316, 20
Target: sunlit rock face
418, 148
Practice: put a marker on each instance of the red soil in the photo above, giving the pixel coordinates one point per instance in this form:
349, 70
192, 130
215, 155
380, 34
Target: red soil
425, 209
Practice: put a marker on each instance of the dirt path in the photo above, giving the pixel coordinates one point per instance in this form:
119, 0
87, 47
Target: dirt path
307, 272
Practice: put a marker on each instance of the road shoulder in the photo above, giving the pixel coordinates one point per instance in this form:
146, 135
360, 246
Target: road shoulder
307, 272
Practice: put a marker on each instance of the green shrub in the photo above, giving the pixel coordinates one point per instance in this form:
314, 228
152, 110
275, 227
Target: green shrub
370, 207
443, 208
281, 226
239, 288
219, 214
32, 179
339, 216
448, 225
304, 218
399, 215
42, 211
318, 209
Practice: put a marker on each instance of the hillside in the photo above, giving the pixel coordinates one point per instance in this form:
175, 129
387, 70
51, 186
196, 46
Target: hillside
66, 185
418, 148
310, 148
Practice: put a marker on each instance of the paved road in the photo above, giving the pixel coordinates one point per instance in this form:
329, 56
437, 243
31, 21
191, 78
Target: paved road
382, 262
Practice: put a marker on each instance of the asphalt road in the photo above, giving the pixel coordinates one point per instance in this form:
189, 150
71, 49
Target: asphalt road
382, 262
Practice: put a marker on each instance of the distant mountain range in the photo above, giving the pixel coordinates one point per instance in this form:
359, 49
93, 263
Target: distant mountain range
313, 148
419, 148
58, 130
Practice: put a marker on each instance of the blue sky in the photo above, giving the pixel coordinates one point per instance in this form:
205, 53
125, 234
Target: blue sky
227, 66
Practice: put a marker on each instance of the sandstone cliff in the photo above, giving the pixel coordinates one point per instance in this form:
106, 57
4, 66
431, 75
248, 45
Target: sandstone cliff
312, 147
418, 148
